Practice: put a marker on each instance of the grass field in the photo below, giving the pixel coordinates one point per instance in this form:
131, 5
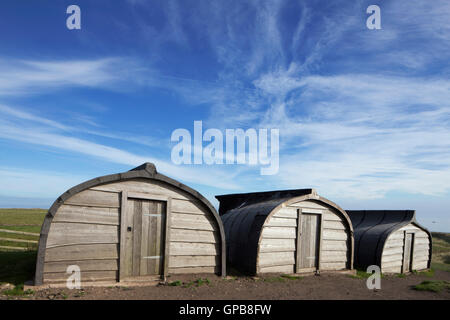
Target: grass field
18, 250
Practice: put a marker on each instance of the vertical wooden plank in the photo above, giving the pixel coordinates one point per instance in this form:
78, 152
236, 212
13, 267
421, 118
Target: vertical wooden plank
158, 236
137, 233
129, 237
305, 242
123, 234
143, 269
407, 253
154, 240
319, 248
166, 236
298, 242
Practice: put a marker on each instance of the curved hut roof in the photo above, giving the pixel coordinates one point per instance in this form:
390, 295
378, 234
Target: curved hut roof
144, 171
373, 227
243, 216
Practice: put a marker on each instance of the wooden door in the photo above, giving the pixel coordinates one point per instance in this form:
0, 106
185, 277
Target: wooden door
144, 238
408, 252
308, 242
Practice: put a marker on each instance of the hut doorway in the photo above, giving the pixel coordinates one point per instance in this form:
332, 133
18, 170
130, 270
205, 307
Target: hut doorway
408, 252
144, 233
308, 237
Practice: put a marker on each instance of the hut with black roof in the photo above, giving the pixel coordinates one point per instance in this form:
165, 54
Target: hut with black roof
288, 231
390, 239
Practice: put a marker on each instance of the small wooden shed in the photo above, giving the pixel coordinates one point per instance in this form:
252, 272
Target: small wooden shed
289, 231
137, 225
390, 239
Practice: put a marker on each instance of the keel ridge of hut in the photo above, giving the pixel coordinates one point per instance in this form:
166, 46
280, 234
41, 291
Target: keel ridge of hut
98, 208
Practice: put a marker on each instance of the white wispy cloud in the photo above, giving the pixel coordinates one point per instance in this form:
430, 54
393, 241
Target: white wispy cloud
34, 134
24, 77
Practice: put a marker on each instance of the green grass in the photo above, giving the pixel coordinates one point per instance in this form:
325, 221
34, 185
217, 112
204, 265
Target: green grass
22, 216
33, 229
17, 236
275, 279
361, 274
197, 283
428, 273
175, 283
433, 286
440, 266
441, 251
17, 291
291, 277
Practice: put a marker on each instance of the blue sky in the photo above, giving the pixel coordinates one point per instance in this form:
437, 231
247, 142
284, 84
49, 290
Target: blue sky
364, 115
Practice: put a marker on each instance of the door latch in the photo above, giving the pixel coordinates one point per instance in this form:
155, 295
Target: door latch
129, 229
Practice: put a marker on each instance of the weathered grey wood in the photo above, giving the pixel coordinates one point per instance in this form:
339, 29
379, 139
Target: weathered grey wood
281, 222
407, 252
82, 252
95, 198
279, 233
332, 245
187, 235
80, 233
192, 222
92, 215
145, 186
395, 269
168, 238
86, 265
286, 212
392, 257
192, 249
148, 239
334, 225
394, 244
309, 240
277, 269
333, 265
188, 270
194, 261
187, 206
277, 245
393, 264
123, 260
59, 277
276, 258
309, 204
96, 203
334, 235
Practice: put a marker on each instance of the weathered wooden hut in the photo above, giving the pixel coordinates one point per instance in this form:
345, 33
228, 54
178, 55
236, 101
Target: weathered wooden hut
390, 239
290, 231
130, 226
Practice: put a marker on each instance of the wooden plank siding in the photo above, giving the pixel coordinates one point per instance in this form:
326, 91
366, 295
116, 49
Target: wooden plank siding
393, 253
278, 244
85, 231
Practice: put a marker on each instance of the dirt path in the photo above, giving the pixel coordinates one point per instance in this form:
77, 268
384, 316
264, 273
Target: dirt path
310, 287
